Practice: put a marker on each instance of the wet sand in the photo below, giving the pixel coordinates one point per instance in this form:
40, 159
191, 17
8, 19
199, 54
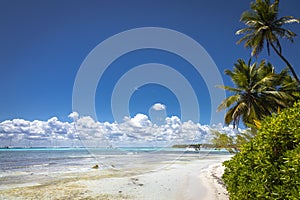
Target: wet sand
182, 180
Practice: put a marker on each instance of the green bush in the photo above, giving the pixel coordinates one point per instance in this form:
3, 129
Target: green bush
268, 167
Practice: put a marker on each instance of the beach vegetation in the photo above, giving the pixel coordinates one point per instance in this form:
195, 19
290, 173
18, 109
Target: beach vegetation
265, 26
267, 163
259, 91
231, 143
222, 141
268, 166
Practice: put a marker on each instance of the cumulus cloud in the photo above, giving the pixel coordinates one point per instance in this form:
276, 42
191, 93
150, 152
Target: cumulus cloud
73, 115
85, 131
158, 107
138, 121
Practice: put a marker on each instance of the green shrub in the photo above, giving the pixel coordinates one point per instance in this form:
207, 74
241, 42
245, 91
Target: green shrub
268, 167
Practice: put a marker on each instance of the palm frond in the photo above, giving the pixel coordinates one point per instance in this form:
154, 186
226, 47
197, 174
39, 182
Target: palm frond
287, 20
259, 91
263, 24
231, 89
228, 116
245, 30
226, 103
266, 81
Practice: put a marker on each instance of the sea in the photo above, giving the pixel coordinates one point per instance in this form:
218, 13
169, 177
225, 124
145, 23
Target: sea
24, 164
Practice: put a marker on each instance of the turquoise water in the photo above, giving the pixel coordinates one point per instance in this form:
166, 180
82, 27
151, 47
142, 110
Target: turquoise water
80, 159
32, 165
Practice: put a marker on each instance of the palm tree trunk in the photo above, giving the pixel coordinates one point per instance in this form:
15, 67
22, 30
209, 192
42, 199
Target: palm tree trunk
286, 62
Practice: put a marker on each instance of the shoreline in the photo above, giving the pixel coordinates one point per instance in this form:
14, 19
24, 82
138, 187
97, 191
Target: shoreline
184, 180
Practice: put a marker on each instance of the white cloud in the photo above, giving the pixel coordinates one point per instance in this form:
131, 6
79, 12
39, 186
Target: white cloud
158, 107
138, 130
138, 121
73, 115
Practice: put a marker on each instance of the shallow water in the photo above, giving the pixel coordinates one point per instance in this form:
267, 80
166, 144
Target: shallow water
28, 166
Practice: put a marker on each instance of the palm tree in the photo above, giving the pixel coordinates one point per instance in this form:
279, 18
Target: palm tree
258, 92
264, 25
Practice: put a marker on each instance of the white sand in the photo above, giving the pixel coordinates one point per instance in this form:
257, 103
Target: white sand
194, 180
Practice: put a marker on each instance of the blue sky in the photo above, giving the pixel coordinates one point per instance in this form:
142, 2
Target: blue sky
43, 44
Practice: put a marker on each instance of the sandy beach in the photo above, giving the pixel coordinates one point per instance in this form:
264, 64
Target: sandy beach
182, 180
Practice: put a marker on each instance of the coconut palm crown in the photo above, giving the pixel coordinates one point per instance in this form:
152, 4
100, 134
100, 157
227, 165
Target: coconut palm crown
258, 92
265, 26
